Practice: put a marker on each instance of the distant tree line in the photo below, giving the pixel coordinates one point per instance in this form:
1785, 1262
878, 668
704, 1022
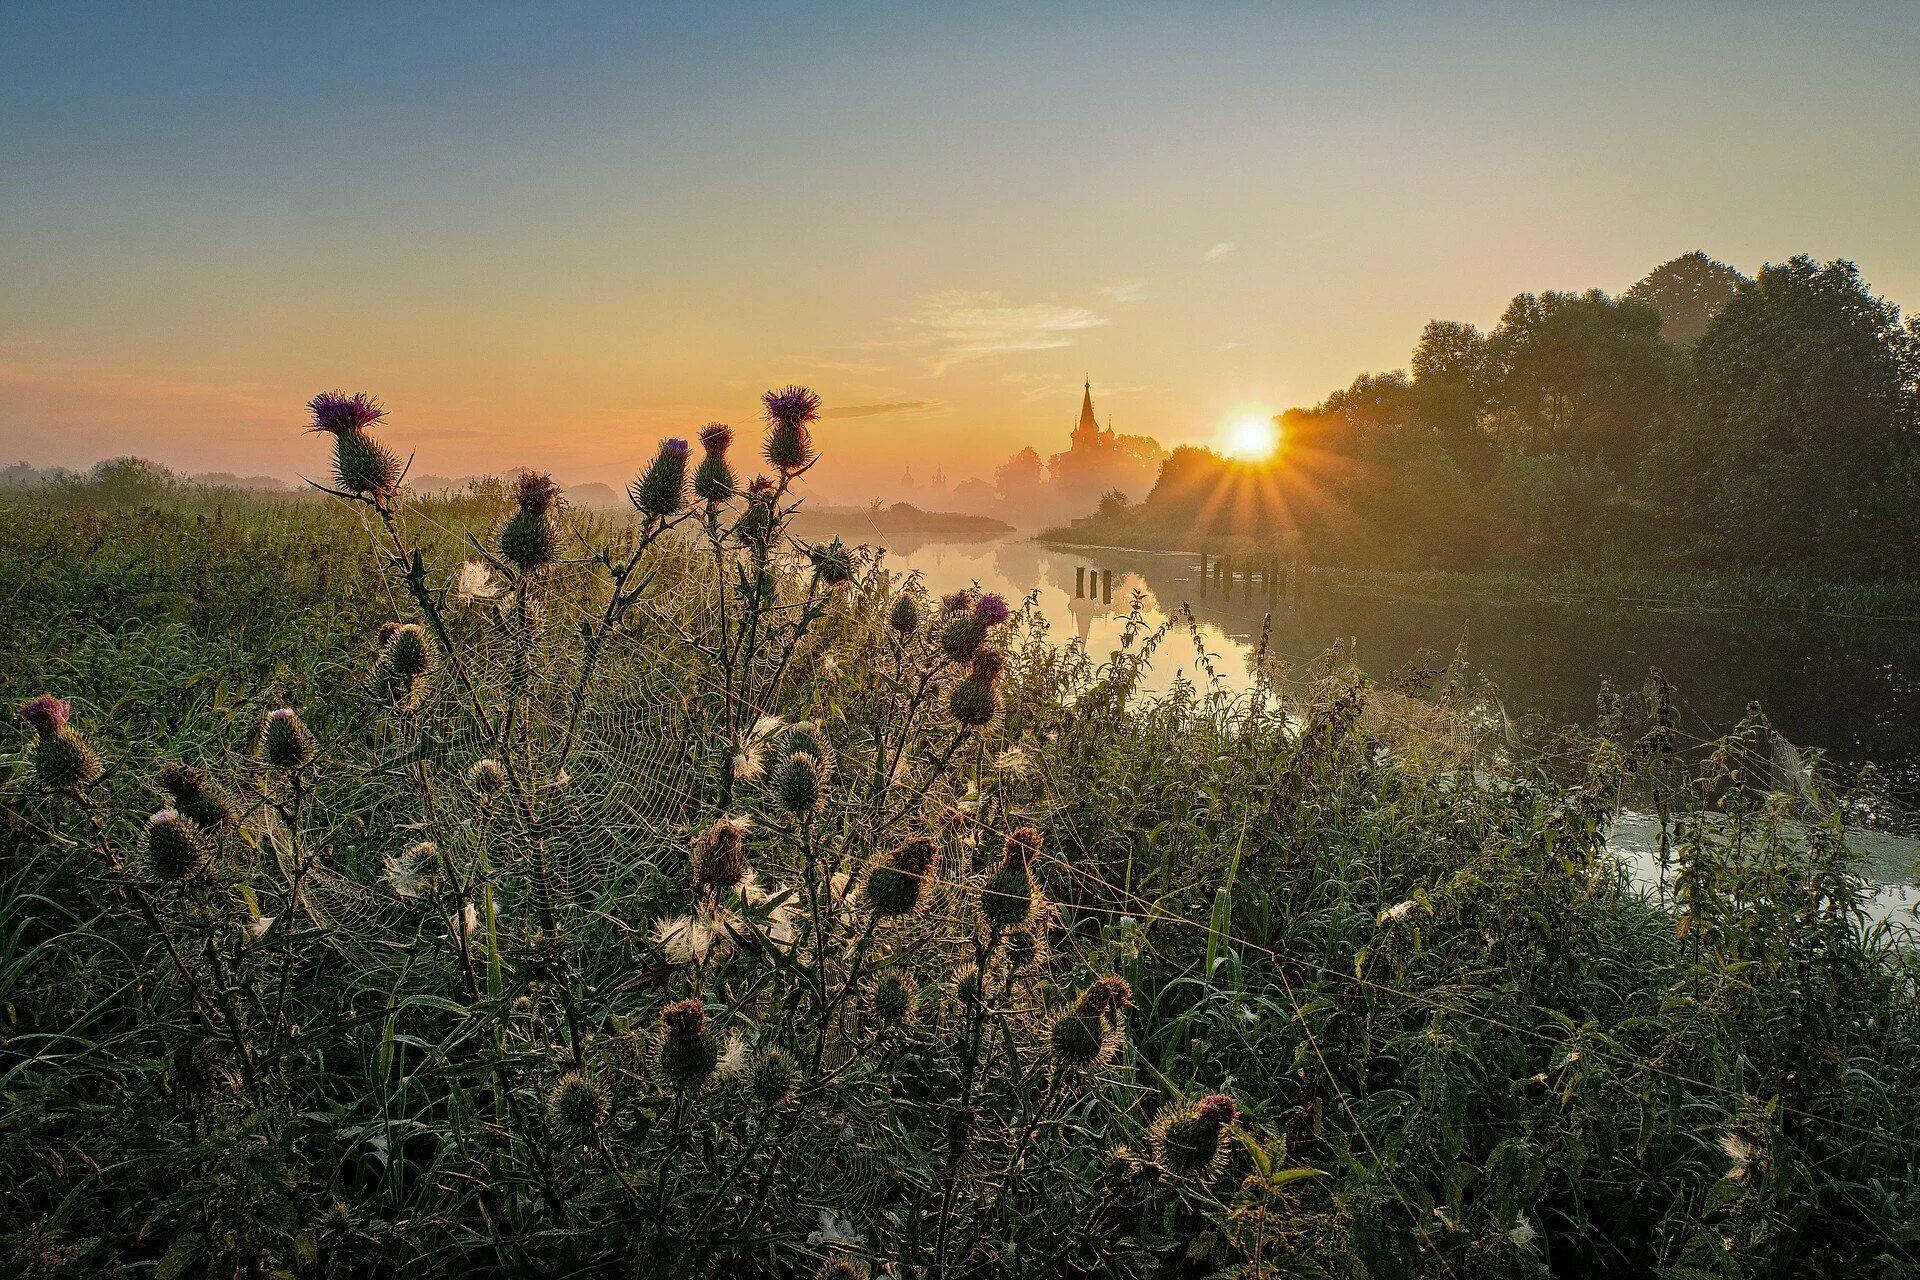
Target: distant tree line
1700, 420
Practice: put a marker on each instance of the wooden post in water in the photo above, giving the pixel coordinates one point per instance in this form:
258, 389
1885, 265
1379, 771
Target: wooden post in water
1203, 575
1079, 581
1247, 594
1106, 586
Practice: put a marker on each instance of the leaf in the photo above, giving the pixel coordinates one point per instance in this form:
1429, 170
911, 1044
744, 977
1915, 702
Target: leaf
178, 1257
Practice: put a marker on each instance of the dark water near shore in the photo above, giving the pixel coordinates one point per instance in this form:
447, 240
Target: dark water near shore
1847, 688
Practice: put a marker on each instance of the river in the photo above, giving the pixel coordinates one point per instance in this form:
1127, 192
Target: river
1844, 689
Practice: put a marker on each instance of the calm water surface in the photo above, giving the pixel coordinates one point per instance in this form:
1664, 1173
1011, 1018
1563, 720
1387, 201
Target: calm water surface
1847, 688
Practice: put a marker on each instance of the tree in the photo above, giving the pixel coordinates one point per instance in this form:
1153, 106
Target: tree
1801, 420
1688, 292
1581, 374
1450, 376
1022, 477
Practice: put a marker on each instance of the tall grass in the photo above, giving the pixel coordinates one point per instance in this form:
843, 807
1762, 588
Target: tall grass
679, 897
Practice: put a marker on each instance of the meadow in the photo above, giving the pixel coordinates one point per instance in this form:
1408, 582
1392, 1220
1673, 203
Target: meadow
469, 886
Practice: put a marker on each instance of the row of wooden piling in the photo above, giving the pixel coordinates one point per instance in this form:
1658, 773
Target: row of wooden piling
1270, 570
1101, 584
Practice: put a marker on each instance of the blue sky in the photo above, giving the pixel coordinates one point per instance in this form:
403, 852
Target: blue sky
581, 226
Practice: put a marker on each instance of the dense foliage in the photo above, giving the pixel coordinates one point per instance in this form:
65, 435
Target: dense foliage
1699, 421
421, 888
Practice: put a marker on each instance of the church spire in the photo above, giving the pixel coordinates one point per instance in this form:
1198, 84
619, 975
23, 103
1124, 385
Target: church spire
1089, 428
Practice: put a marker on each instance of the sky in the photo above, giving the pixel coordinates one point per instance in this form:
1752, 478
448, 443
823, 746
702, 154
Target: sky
552, 234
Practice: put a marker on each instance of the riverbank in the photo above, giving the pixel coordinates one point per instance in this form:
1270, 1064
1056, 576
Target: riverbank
1897, 601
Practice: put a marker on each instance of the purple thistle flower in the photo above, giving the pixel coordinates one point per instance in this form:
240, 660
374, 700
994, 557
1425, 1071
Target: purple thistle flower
991, 609
336, 411
46, 715
793, 407
715, 437
678, 448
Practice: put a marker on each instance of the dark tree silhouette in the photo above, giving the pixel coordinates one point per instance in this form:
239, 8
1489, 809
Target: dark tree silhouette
1688, 292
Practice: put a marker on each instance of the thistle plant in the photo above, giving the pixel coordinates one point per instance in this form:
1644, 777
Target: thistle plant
62, 760
641, 870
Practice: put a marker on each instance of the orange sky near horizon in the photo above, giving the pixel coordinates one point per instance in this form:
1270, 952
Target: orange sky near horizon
553, 242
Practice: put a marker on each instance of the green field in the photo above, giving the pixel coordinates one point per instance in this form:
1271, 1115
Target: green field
679, 901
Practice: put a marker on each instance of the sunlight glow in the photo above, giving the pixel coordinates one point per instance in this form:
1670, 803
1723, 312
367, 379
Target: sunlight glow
1251, 436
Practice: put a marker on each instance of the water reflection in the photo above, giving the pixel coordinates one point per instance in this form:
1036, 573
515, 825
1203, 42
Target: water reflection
1843, 686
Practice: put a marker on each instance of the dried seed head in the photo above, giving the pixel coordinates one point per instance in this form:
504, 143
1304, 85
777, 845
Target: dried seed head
578, 1104
287, 744
842, 1267
720, 856
687, 1054
174, 847
1187, 1142
487, 776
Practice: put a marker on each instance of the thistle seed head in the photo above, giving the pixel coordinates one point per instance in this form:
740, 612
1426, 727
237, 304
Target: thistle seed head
487, 776
201, 800
790, 443
174, 847
62, 759
662, 491
973, 703
962, 636
287, 745
687, 1054
988, 663
772, 1080
720, 856
713, 480
406, 649
904, 617
1187, 1141
337, 412
529, 539
578, 1104
832, 563
1007, 899
799, 784
892, 999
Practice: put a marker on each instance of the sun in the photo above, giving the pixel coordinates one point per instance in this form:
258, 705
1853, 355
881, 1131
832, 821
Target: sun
1250, 437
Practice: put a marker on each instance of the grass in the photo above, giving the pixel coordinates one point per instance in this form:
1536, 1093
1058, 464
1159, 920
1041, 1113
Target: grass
399, 1021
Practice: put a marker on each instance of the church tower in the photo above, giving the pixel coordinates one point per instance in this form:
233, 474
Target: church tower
1087, 434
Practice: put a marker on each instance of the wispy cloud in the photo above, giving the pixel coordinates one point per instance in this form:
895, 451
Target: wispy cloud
834, 366
1218, 252
966, 326
1232, 346
875, 410
1125, 290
